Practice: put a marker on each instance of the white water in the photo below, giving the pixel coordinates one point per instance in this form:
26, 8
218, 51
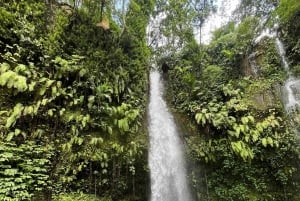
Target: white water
266, 33
281, 52
291, 88
166, 157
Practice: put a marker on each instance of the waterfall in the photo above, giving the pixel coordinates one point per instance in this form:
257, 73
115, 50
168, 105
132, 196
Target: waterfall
292, 85
281, 52
291, 88
166, 157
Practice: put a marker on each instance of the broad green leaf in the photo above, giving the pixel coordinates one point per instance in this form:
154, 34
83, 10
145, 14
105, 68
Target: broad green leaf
270, 141
264, 142
110, 130
4, 67
10, 136
251, 119
17, 132
10, 121
49, 83
91, 99
50, 112
245, 120
31, 86
10, 172
198, 117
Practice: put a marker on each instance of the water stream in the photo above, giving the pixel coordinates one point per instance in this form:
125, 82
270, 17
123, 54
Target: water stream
166, 157
291, 88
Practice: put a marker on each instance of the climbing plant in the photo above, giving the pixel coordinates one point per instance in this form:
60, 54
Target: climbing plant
72, 100
243, 146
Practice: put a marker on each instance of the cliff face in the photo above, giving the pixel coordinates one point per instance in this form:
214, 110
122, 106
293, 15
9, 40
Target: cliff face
240, 85
262, 62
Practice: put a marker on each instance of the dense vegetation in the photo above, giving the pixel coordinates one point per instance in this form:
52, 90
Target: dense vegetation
74, 90
73, 97
244, 145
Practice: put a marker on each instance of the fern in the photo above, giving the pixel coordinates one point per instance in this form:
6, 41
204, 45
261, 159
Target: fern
13, 80
17, 111
4, 77
21, 84
21, 68
4, 67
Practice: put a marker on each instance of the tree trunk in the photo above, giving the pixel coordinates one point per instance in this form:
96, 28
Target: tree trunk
101, 9
123, 16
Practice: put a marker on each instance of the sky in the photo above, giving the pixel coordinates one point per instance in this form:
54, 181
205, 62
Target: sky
223, 15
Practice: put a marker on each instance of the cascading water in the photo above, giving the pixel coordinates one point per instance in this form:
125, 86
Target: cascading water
166, 157
291, 88
292, 85
281, 52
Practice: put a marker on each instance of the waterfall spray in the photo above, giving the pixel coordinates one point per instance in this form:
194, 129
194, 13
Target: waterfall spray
166, 157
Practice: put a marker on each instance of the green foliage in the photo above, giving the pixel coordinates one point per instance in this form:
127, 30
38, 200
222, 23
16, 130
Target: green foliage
268, 59
72, 101
245, 33
24, 169
296, 70
256, 8
227, 29
288, 11
181, 18
288, 8
231, 120
245, 148
56, 33
79, 197
231, 134
13, 80
213, 75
